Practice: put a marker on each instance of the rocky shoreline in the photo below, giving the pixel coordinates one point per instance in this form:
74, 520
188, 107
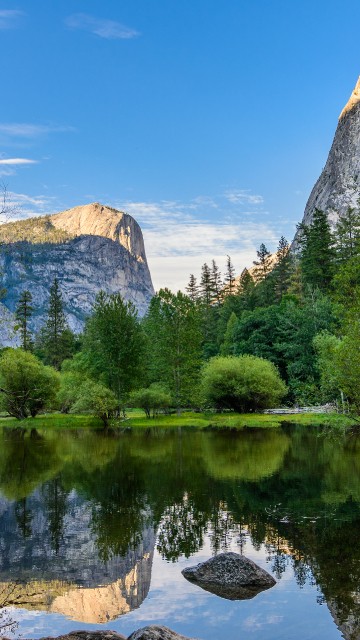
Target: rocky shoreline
153, 632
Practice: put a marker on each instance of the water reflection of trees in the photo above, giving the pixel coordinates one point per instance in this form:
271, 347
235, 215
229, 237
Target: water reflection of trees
239, 457
289, 489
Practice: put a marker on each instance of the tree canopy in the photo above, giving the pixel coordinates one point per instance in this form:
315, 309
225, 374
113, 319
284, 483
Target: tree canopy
243, 383
113, 344
26, 385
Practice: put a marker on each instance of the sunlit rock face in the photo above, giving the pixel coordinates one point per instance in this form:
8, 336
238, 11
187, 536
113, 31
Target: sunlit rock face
103, 603
88, 248
338, 186
95, 605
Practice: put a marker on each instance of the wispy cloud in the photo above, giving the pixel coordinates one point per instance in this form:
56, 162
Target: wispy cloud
241, 196
28, 130
9, 18
5, 172
8, 166
16, 161
108, 29
26, 206
181, 236
178, 243
207, 201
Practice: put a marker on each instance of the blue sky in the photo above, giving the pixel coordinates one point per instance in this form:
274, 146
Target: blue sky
208, 121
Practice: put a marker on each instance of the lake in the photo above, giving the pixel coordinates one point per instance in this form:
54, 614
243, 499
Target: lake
95, 530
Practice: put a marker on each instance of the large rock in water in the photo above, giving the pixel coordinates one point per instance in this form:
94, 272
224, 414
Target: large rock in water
338, 186
156, 632
87, 248
230, 576
88, 635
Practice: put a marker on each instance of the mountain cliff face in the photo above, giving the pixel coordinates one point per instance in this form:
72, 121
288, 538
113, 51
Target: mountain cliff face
338, 186
88, 248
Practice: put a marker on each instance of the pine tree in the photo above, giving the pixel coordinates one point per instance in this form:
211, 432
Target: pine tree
347, 235
282, 271
55, 342
246, 291
264, 290
23, 314
209, 311
262, 265
206, 289
229, 279
283, 249
296, 283
216, 282
317, 251
192, 288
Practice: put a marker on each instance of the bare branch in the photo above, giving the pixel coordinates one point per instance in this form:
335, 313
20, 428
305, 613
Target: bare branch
7, 209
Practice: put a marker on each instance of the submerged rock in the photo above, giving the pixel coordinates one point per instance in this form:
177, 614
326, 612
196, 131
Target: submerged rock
155, 632
231, 576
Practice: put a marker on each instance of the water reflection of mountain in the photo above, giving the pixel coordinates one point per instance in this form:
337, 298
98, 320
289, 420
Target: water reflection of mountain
50, 579
91, 605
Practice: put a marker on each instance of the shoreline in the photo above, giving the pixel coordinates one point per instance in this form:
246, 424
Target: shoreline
187, 420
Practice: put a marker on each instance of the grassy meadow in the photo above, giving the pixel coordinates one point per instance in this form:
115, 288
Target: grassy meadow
135, 419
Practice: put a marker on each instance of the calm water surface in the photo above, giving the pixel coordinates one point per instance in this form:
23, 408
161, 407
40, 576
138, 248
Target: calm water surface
95, 529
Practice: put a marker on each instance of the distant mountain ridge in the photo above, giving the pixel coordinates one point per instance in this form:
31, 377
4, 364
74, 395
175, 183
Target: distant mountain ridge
88, 248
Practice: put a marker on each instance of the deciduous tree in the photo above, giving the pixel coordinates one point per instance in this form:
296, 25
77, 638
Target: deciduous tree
98, 399
244, 383
173, 328
26, 385
153, 399
113, 344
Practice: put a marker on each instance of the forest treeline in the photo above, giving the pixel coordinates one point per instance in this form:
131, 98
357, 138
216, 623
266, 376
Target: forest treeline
286, 330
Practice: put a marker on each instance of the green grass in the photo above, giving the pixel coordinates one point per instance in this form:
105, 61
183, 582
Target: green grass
137, 420
236, 420
53, 420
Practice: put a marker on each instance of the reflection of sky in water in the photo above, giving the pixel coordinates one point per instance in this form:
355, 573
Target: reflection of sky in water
284, 612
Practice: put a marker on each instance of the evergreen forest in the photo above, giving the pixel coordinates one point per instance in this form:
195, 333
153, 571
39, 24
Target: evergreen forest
284, 332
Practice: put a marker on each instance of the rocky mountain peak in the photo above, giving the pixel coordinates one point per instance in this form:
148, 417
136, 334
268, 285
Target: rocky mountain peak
338, 186
96, 219
88, 248
353, 100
